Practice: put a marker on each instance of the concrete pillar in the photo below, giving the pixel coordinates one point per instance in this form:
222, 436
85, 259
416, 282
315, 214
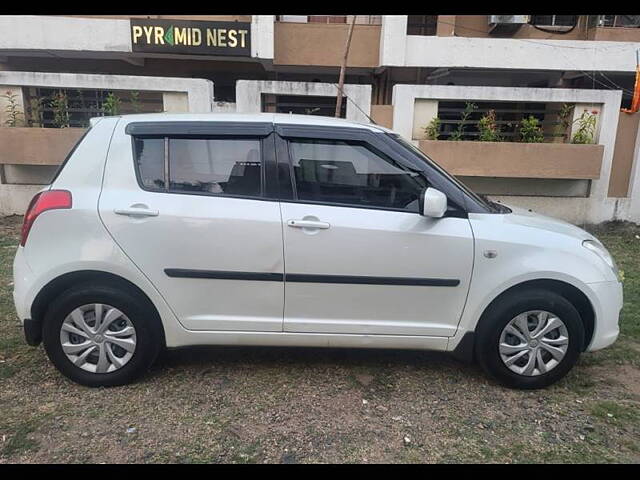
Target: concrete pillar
175, 102
423, 112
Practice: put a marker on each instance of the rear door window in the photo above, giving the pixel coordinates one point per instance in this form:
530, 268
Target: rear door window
216, 166
213, 166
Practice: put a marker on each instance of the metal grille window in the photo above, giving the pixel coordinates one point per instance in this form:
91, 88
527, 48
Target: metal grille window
360, 19
508, 118
303, 104
422, 25
53, 107
554, 20
628, 21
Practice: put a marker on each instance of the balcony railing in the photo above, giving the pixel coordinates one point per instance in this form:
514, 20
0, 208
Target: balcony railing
360, 19
624, 21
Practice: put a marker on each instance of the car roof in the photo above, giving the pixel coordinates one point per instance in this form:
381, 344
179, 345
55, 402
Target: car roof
275, 118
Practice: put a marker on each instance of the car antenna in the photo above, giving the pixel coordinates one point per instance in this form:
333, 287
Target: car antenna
356, 105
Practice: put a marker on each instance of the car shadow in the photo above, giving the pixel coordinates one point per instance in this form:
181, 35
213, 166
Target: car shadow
309, 357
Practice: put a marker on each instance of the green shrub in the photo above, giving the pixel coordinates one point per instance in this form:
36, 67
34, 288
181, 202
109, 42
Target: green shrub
432, 130
60, 105
13, 110
586, 128
530, 130
459, 132
111, 105
489, 129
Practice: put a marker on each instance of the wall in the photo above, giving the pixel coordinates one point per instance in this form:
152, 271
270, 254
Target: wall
249, 95
478, 26
516, 160
104, 34
627, 139
597, 207
202, 18
399, 49
199, 91
38, 149
382, 115
615, 34
323, 44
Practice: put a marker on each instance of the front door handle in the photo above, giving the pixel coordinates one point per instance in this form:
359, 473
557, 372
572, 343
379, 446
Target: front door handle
308, 224
137, 212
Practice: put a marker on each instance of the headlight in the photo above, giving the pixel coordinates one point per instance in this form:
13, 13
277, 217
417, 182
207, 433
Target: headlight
598, 249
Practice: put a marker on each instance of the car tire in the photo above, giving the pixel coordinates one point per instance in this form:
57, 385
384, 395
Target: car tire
107, 300
501, 336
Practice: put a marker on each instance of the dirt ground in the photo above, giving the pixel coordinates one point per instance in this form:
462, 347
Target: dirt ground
285, 405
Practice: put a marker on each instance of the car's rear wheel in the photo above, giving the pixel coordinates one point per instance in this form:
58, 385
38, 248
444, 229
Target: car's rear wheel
529, 339
101, 335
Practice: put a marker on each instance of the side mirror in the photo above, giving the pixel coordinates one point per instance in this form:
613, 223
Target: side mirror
434, 203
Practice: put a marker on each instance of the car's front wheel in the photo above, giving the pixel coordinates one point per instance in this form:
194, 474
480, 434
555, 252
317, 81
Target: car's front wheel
101, 335
529, 339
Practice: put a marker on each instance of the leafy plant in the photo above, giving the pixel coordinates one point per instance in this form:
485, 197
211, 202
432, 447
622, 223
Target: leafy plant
531, 130
459, 132
134, 99
60, 106
489, 129
432, 130
111, 104
586, 128
563, 117
12, 110
35, 112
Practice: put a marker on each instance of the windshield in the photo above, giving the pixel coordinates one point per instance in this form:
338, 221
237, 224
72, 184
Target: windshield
482, 199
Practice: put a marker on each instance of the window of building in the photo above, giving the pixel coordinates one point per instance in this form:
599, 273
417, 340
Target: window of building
303, 104
508, 116
230, 167
628, 21
422, 24
554, 20
70, 107
350, 173
360, 19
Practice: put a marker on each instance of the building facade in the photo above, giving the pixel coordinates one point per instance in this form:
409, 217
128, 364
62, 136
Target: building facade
525, 108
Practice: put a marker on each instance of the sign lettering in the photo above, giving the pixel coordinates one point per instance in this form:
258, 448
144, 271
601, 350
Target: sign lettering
191, 37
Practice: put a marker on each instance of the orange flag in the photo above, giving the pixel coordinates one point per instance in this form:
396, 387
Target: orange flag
635, 103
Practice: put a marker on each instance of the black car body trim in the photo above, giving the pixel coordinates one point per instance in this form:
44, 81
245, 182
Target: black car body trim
308, 278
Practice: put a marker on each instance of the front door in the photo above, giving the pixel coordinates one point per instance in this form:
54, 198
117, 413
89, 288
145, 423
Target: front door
359, 257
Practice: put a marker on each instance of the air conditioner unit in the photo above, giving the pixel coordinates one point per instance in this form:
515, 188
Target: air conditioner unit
505, 24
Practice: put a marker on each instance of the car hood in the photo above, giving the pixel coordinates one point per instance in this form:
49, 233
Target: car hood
528, 218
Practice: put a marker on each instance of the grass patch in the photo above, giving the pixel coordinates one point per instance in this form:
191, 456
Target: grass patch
19, 441
614, 411
623, 241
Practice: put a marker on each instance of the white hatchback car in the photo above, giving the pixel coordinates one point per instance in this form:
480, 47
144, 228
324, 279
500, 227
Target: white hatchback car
168, 230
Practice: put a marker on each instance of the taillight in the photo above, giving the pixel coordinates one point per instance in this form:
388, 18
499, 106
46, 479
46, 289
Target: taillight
43, 201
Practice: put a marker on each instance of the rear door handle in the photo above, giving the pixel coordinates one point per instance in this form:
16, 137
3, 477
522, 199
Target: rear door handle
308, 224
137, 212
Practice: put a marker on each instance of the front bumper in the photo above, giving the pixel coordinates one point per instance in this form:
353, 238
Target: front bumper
607, 303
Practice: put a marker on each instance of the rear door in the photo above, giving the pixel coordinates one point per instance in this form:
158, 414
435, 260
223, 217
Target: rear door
190, 203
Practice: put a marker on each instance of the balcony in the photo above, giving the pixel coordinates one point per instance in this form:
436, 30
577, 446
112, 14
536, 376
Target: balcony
319, 40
